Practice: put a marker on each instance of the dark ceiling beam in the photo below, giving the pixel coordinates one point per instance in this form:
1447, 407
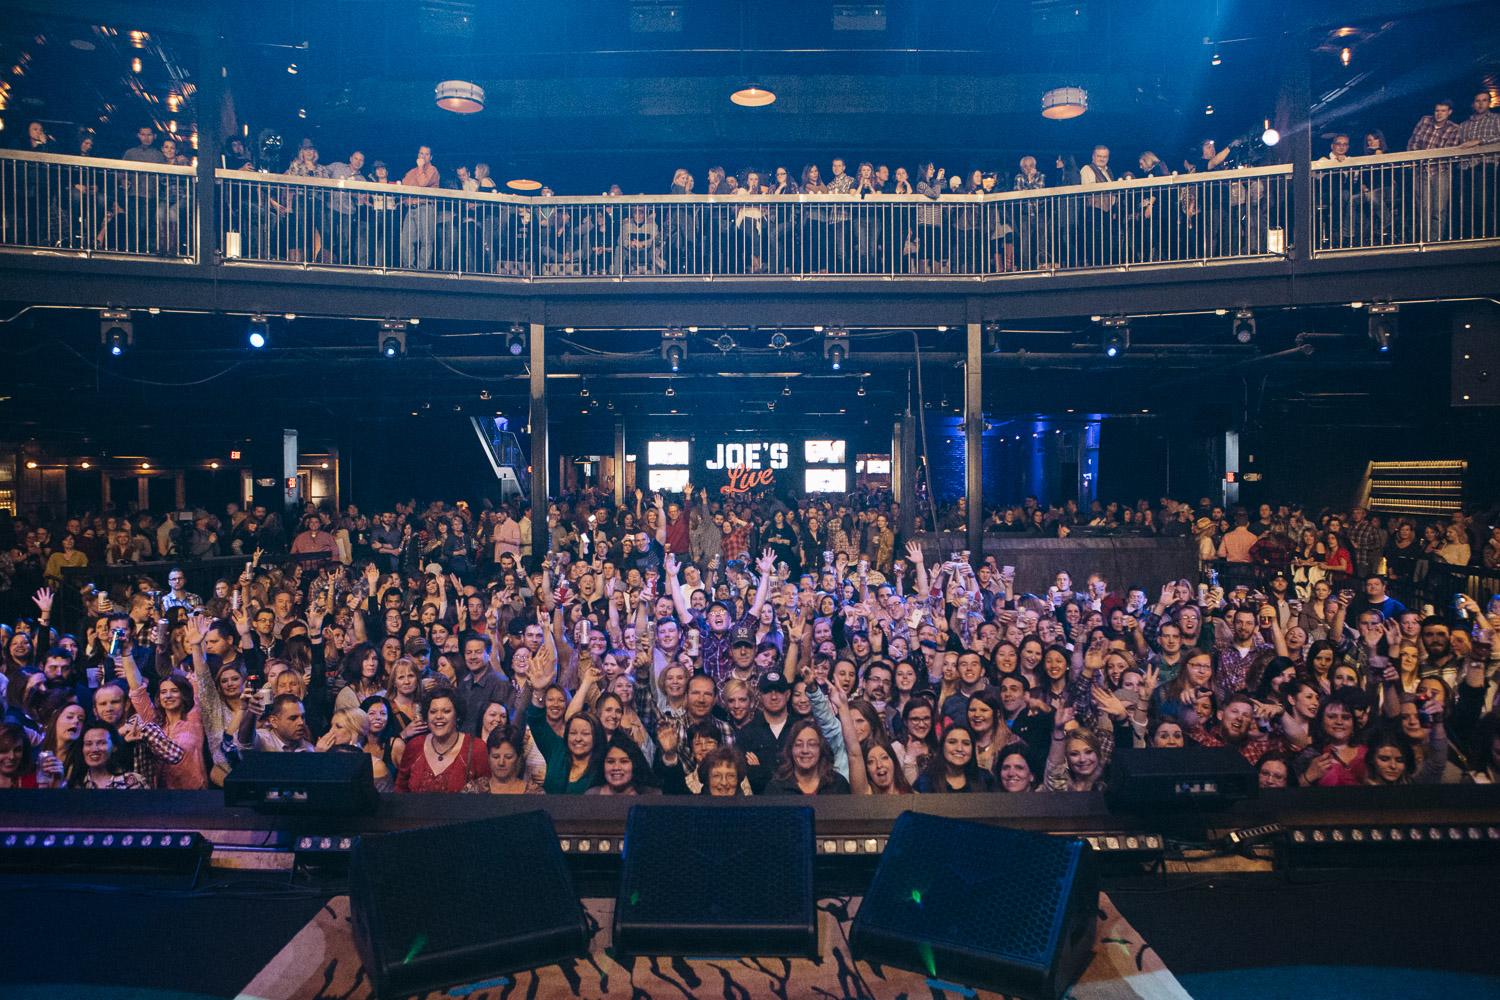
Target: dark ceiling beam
143, 15
1449, 273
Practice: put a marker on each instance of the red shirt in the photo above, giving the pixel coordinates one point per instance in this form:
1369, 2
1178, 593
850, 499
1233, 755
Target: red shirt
416, 775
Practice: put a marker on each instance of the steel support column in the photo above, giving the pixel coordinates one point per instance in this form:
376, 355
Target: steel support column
620, 465
1295, 103
973, 439
906, 491
211, 85
541, 461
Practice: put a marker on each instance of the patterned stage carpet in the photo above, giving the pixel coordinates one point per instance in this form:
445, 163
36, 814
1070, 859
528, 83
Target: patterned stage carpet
320, 963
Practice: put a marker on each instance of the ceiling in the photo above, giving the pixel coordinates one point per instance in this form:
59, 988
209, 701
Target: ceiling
579, 97
326, 376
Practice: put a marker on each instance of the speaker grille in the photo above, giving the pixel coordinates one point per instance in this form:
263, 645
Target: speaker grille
1004, 894
725, 865
462, 887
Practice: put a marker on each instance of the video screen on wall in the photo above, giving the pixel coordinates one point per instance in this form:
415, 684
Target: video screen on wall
666, 453
671, 480
826, 480
823, 452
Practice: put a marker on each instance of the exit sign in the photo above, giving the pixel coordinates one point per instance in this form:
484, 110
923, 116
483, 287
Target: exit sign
1230, 477
234, 456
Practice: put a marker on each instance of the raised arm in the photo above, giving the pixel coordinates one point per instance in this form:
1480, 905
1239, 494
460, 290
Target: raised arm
914, 556
859, 781
588, 685
763, 588
669, 570
827, 719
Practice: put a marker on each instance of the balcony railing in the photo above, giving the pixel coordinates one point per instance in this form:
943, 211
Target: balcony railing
88, 205
1172, 220
1432, 197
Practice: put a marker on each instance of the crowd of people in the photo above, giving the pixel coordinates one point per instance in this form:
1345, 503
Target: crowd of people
755, 645
848, 233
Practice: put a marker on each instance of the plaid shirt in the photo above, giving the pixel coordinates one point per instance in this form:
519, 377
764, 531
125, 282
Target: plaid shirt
1365, 537
717, 662
1480, 128
1252, 749
1236, 668
737, 542
1430, 135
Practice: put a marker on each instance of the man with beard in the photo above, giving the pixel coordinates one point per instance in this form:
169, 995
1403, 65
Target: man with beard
717, 627
1235, 727
1244, 654
1441, 661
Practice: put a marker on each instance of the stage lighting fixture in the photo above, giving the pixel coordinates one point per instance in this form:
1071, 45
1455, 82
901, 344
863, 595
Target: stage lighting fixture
260, 331
115, 330
671, 391
725, 343
1270, 136
1244, 326
778, 341
515, 340
836, 346
1116, 338
1383, 327
392, 339
674, 346
861, 390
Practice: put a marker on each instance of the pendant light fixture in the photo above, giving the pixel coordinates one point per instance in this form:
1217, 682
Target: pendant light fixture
750, 93
1064, 102
460, 96
752, 97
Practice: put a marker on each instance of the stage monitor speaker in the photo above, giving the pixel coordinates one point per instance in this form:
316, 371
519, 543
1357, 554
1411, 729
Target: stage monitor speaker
982, 907
447, 906
1186, 776
1476, 356
706, 880
303, 783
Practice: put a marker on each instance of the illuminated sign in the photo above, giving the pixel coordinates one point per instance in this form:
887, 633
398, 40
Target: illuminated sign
751, 456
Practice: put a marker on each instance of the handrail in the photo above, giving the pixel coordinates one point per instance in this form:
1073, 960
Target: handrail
101, 162
1384, 159
402, 191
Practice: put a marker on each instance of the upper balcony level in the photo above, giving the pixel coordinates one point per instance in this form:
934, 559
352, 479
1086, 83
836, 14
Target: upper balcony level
82, 231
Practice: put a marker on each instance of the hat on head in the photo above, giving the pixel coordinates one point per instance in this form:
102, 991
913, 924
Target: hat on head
307, 144
743, 635
773, 681
1203, 524
720, 604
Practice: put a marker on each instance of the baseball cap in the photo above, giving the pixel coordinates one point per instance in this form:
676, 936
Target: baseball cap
719, 604
743, 635
773, 681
